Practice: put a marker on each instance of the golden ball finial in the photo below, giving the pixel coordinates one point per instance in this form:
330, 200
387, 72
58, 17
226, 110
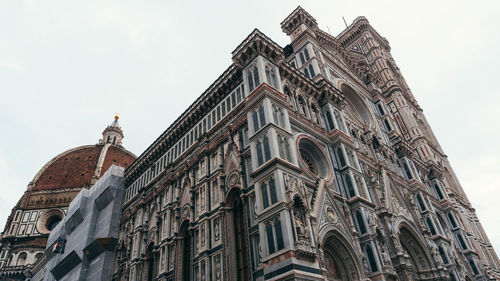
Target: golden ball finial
117, 116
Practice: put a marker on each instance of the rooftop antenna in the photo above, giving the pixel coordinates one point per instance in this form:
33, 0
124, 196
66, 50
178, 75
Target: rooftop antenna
345, 22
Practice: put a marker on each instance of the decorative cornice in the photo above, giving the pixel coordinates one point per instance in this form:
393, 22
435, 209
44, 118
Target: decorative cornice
257, 44
296, 18
183, 123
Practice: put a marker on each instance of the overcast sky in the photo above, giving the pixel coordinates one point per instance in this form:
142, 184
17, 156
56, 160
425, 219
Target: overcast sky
66, 67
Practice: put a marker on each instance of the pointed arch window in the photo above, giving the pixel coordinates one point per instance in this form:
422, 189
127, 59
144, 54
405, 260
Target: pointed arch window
329, 119
452, 220
253, 78
443, 255
349, 184
274, 235
420, 201
438, 191
306, 72
268, 191
311, 71
407, 171
258, 118
302, 58
473, 267
380, 109
361, 222
387, 125
283, 148
461, 240
271, 76
340, 155
371, 258
430, 225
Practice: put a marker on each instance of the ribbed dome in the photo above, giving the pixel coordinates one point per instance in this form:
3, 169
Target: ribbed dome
80, 167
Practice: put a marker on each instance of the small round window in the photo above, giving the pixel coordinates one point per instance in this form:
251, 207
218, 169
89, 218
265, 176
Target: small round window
52, 222
49, 220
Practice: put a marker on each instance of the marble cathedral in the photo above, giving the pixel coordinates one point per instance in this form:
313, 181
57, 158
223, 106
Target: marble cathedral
311, 161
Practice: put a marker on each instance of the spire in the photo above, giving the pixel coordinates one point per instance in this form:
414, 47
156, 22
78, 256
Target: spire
113, 133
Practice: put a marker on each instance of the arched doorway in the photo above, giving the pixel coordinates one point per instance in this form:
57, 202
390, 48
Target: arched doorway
416, 254
184, 265
340, 261
238, 237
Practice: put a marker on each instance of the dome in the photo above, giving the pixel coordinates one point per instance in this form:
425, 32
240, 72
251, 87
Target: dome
81, 166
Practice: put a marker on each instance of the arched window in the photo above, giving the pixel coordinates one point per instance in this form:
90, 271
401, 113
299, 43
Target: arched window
21, 259
306, 73
380, 109
311, 71
274, 235
271, 76
263, 151
430, 225
253, 78
387, 125
302, 59
340, 155
283, 148
268, 191
262, 116
329, 120
361, 222
421, 202
443, 255
439, 193
452, 220
114, 140
407, 171
473, 267
256, 76
461, 241
267, 151
371, 258
108, 140
350, 187
260, 158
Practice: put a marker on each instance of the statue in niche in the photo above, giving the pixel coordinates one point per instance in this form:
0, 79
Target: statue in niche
300, 221
218, 268
216, 230
302, 229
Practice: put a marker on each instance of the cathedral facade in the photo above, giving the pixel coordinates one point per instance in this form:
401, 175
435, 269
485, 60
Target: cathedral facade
308, 162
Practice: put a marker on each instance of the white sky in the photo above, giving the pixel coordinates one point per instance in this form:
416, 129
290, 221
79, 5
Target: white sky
66, 67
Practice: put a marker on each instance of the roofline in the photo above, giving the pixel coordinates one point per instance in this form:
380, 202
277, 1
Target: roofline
231, 70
